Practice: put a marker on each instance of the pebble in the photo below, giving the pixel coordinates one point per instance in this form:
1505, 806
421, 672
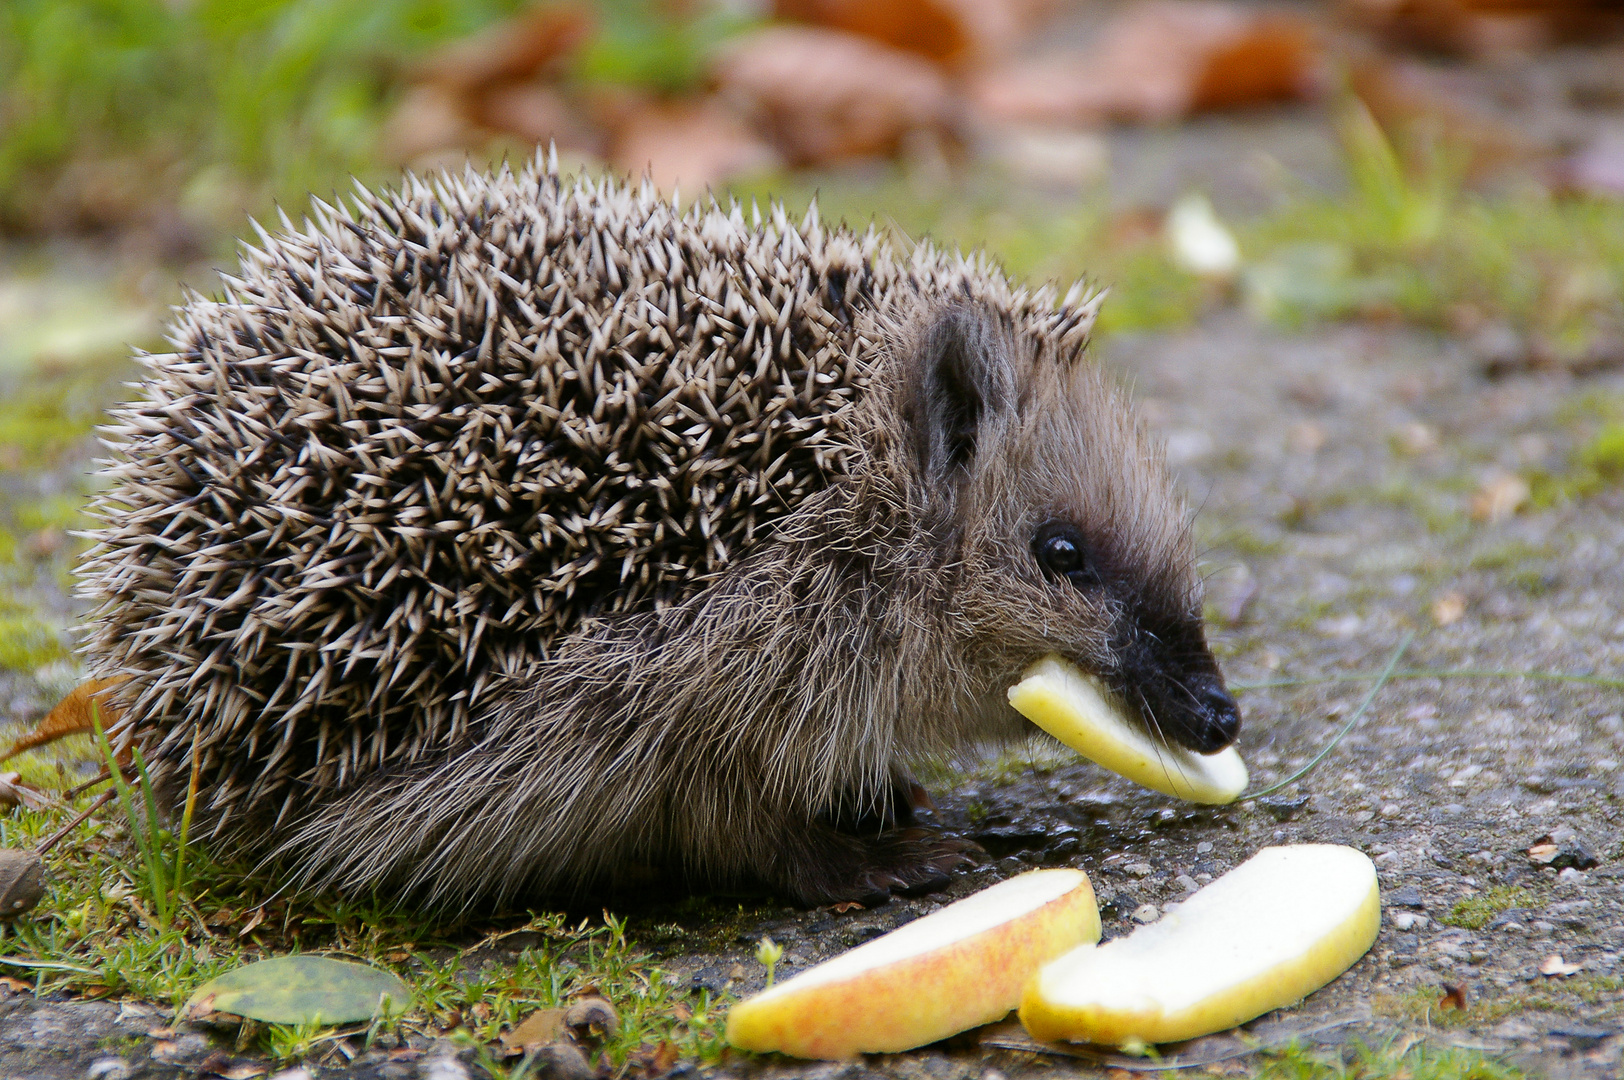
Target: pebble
442, 1064
1562, 849
1573, 877
1146, 913
1187, 883
1204, 847
1282, 808
1409, 920
108, 1068
1406, 896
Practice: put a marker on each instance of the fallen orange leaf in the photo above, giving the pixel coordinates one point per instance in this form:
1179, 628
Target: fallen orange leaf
71, 716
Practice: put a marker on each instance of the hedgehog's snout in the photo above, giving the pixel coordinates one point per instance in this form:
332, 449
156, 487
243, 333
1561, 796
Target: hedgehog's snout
1212, 720
1181, 699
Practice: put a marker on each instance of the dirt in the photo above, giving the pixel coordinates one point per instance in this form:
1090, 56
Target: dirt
1334, 473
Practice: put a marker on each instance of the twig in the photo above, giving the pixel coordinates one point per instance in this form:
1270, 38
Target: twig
75, 792
101, 800
1358, 714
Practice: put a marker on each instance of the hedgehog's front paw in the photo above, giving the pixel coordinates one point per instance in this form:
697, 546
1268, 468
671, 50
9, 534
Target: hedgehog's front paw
869, 870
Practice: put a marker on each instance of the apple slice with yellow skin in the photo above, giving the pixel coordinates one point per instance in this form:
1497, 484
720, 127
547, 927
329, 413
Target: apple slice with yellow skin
949, 971
1268, 933
1077, 710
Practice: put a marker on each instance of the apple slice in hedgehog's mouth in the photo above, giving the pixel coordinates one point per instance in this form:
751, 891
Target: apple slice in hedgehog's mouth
1077, 709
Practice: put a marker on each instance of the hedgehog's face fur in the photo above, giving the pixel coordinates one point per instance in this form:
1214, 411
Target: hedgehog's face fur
1067, 531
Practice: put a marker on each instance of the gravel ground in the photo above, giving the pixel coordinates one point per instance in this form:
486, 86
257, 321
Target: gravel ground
1335, 474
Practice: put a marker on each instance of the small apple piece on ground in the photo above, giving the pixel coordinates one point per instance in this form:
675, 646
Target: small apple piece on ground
952, 970
1077, 710
1268, 933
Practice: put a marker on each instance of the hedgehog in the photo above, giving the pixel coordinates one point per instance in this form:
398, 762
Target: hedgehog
509, 534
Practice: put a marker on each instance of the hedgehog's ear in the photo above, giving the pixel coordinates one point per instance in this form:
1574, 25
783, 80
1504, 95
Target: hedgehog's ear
962, 380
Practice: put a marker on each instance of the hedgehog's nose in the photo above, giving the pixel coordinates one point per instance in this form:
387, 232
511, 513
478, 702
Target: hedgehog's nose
1215, 720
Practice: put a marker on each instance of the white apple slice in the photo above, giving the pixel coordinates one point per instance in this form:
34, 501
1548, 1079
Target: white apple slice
1271, 931
952, 970
1077, 710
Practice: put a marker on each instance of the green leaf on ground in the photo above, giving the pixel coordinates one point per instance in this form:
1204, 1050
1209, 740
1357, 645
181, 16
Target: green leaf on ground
302, 990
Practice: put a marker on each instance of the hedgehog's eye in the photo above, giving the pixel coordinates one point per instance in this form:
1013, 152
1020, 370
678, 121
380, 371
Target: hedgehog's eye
1061, 550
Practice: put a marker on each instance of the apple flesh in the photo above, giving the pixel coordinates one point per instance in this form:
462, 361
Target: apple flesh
1268, 933
1077, 710
952, 970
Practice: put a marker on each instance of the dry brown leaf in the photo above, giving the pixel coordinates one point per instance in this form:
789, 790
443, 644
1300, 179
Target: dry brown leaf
538, 1029
689, 146
520, 48
71, 716
823, 96
13, 792
1454, 997
428, 119
1274, 59
1499, 497
530, 111
1448, 609
494, 82
844, 906
1554, 965
224, 1066
245, 1071
195, 1010
1485, 27
957, 33
1544, 853
1157, 61
254, 920
934, 28
652, 1062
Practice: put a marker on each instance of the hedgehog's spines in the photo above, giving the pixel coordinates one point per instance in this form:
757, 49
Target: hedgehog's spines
420, 443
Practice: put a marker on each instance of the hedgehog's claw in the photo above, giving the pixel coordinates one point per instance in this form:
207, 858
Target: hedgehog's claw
830, 867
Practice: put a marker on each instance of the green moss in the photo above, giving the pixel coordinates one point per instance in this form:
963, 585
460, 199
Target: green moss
26, 643
1475, 912
1399, 1060
35, 432
1605, 453
56, 512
